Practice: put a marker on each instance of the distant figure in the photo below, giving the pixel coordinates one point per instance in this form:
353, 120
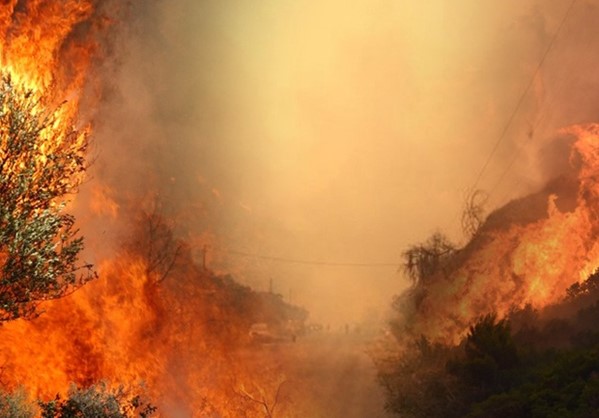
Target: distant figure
346, 328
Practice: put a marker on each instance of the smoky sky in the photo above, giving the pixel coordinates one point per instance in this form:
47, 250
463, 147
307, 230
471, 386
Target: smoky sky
336, 132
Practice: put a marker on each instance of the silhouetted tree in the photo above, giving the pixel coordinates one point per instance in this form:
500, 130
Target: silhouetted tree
155, 241
589, 286
473, 215
423, 261
492, 338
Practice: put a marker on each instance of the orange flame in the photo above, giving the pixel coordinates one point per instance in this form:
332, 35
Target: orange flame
43, 45
177, 339
173, 339
518, 263
45, 50
123, 328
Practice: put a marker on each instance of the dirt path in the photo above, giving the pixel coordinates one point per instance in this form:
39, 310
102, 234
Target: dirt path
328, 376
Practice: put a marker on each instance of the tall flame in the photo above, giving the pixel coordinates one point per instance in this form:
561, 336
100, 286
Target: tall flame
512, 263
124, 327
47, 45
46, 48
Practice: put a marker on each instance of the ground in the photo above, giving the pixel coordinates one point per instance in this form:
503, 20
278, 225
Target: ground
328, 375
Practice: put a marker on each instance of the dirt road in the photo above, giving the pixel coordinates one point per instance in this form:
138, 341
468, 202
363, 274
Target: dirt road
324, 375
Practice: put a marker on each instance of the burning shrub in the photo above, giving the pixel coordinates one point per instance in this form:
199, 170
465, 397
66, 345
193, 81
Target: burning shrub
16, 405
547, 367
41, 162
97, 402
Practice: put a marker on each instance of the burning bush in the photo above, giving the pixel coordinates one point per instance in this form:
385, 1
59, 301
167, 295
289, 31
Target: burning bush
16, 405
97, 402
530, 264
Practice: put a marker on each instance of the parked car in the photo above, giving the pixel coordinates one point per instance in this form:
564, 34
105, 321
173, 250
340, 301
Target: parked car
261, 332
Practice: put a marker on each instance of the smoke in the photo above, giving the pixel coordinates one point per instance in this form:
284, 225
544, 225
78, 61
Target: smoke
334, 133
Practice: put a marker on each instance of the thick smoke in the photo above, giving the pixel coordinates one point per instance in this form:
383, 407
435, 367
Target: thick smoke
532, 248
332, 133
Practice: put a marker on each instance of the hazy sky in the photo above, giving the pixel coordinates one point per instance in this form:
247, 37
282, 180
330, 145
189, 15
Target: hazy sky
339, 131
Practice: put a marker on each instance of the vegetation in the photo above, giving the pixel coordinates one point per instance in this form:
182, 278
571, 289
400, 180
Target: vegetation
39, 167
93, 402
16, 405
496, 372
97, 402
153, 239
474, 214
424, 261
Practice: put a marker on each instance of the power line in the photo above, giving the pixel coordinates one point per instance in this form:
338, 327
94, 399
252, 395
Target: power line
311, 262
545, 109
523, 96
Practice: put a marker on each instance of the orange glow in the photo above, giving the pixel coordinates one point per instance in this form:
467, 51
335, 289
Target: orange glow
125, 329
39, 49
178, 339
45, 52
515, 264
103, 202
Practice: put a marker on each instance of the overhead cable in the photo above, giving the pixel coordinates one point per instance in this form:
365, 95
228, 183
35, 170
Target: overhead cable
311, 262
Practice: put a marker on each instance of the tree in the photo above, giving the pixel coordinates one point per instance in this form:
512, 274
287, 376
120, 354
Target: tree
489, 360
492, 338
416, 383
423, 261
41, 163
155, 241
473, 215
97, 402
588, 287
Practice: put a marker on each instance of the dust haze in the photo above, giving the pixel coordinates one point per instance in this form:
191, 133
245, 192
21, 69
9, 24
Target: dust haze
335, 132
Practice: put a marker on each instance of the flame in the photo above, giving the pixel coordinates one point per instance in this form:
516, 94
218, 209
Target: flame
177, 337
515, 264
123, 328
43, 46
46, 48
103, 203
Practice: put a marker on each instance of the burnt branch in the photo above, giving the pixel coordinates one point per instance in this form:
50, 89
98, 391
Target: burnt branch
474, 213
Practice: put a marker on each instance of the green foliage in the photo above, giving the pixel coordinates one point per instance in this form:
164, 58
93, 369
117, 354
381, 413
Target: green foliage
487, 363
492, 374
39, 166
565, 384
489, 338
16, 405
97, 402
417, 384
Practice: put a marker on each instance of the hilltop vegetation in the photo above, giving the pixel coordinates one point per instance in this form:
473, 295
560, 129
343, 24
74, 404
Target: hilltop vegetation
467, 342
531, 364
